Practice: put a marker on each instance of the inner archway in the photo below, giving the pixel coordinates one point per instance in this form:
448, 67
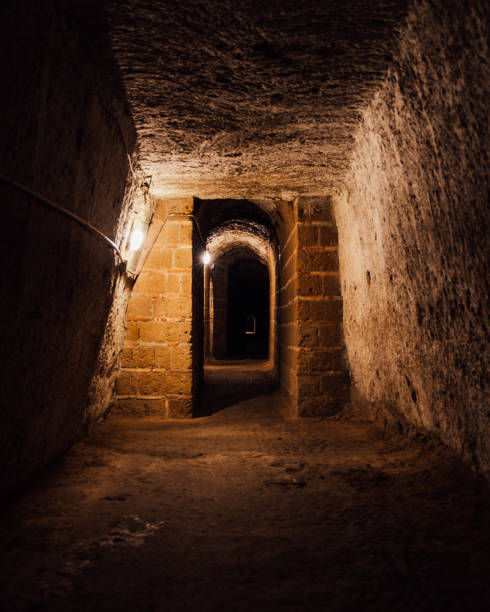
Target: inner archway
238, 305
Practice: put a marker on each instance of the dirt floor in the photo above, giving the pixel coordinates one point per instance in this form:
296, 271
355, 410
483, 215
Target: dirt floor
227, 382
245, 510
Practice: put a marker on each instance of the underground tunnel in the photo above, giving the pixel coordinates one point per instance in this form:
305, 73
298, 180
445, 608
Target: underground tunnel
245, 317
239, 293
248, 309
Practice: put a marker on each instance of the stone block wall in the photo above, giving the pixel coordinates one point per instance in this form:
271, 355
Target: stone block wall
323, 384
414, 240
156, 372
312, 360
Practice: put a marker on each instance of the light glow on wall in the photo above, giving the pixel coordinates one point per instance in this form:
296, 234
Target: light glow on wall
136, 240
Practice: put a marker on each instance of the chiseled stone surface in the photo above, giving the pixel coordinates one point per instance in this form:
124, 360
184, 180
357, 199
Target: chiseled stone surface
252, 98
413, 244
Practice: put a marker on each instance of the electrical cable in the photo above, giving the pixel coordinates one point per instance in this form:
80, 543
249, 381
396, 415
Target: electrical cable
91, 227
62, 210
189, 216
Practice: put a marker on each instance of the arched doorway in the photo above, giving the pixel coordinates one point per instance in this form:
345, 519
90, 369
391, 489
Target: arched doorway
237, 309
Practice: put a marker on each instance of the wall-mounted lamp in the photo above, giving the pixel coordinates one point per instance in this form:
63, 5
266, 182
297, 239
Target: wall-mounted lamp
206, 258
136, 239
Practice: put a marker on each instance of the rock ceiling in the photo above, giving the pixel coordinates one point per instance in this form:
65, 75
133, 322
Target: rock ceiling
250, 98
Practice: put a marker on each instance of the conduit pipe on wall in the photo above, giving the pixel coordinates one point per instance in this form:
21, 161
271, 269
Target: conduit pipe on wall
64, 211
189, 216
71, 215
95, 230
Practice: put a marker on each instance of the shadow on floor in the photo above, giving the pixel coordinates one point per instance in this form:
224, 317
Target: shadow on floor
245, 510
227, 382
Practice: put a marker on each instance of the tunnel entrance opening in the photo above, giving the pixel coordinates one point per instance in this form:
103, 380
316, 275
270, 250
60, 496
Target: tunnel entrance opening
239, 315
234, 306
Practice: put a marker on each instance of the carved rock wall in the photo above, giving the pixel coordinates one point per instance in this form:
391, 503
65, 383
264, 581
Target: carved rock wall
251, 98
413, 233
66, 133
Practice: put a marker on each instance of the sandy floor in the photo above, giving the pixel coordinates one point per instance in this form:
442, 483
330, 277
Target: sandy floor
243, 510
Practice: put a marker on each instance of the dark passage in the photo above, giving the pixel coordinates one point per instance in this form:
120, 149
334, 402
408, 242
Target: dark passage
248, 310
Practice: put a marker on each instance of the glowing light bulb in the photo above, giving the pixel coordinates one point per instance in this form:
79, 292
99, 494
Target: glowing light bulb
136, 239
206, 258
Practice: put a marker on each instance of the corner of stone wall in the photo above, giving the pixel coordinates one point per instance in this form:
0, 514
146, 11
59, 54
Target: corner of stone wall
156, 373
313, 363
323, 379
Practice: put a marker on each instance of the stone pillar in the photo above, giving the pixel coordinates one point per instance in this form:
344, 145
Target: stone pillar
313, 370
322, 380
156, 374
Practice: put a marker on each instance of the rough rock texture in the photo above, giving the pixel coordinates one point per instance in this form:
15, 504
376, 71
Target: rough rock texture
250, 98
246, 511
413, 227
66, 133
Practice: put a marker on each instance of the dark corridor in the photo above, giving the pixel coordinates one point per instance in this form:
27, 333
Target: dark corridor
248, 310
